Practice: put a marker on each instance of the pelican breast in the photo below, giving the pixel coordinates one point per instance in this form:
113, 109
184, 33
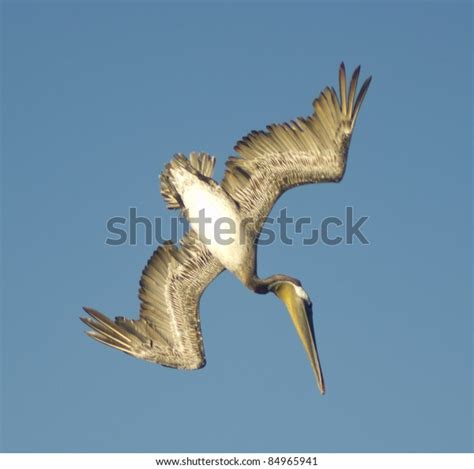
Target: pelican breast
217, 221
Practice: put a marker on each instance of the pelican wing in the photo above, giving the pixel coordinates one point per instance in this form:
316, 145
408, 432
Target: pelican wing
169, 330
307, 150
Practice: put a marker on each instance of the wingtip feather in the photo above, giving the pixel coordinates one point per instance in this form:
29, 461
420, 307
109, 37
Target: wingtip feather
342, 88
360, 99
104, 321
353, 88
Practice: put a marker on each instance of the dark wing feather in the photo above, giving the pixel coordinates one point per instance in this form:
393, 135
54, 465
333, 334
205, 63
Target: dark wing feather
169, 330
307, 150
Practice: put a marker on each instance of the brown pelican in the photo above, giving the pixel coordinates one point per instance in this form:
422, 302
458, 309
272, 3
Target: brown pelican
307, 150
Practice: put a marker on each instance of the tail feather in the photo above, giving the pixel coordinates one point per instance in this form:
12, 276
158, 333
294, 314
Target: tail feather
167, 189
200, 163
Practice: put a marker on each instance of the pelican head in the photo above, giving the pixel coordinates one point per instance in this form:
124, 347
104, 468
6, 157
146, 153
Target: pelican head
300, 308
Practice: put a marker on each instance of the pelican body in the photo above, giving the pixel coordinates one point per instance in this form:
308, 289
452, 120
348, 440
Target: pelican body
306, 150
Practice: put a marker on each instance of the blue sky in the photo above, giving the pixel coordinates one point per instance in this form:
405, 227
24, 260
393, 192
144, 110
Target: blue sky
96, 99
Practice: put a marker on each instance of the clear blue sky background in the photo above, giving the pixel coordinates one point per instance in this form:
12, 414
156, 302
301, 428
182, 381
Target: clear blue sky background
96, 99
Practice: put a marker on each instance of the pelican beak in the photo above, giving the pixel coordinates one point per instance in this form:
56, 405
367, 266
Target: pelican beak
301, 313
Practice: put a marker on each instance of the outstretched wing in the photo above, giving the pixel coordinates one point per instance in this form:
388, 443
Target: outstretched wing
169, 330
307, 150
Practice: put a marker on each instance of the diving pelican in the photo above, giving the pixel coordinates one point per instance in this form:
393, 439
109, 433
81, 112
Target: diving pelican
307, 150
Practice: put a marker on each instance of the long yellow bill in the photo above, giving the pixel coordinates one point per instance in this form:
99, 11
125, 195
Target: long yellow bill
301, 313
